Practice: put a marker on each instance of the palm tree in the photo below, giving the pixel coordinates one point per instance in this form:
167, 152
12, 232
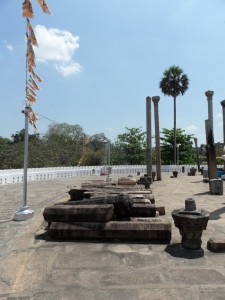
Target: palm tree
174, 83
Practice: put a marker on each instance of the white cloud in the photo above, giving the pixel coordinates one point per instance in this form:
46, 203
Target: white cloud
68, 69
191, 129
8, 46
57, 46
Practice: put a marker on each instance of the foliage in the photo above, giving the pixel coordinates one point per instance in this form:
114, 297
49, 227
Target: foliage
19, 136
129, 148
186, 151
174, 83
219, 148
95, 149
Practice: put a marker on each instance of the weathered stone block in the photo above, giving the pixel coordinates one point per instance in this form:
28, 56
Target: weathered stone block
216, 244
135, 231
95, 213
142, 210
77, 194
126, 181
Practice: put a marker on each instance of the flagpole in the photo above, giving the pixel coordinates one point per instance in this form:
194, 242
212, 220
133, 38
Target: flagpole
25, 213
25, 161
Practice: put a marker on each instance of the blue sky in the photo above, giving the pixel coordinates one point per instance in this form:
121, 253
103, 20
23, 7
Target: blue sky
99, 60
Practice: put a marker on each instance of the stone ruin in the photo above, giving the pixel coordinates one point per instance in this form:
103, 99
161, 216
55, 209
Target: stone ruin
101, 210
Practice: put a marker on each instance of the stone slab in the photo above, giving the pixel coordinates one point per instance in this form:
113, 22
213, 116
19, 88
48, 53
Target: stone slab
216, 244
96, 213
126, 181
121, 230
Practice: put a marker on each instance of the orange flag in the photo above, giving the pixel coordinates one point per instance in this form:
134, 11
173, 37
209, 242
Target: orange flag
33, 83
31, 99
30, 91
30, 69
44, 7
32, 118
30, 61
30, 50
27, 10
30, 86
31, 35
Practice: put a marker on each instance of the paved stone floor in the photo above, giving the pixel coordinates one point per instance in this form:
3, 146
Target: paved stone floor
33, 268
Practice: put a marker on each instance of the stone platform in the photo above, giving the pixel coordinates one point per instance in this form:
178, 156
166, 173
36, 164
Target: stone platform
33, 268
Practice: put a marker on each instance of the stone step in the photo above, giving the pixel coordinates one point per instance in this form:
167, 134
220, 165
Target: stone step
121, 230
86, 213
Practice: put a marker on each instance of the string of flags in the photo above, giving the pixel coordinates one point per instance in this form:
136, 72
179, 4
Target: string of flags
31, 85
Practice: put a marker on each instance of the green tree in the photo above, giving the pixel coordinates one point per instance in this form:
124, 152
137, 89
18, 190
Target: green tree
19, 136
186, 150
95, 150
63, 144
129, 148
174, 83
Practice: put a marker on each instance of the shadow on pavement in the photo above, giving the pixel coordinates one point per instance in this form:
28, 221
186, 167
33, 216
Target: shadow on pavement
203, 193
196, 181
215, 215
176, 250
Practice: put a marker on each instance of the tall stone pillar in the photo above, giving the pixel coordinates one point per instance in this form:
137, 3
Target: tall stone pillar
149, 136
212, 167
223, 108
209, 95
155, 100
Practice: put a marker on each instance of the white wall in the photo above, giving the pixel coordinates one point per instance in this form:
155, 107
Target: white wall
16, 175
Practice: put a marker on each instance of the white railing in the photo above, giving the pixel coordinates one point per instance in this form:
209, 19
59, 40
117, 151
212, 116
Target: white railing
16, 175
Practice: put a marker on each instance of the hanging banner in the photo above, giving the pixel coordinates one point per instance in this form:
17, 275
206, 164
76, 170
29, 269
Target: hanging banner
30, 70
31, 86
44, 6
31, 36
31, 116
33, 83
27, 10
30, 91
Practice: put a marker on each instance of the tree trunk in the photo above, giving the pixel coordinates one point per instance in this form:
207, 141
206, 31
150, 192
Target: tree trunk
174, 131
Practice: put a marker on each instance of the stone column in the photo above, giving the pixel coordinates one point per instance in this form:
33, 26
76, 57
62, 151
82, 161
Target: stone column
209, 95
155, 100
212, 167
211, 153
149, 136
223, 108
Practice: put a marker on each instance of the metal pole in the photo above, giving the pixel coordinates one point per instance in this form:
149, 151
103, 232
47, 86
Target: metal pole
25, 213
25, 163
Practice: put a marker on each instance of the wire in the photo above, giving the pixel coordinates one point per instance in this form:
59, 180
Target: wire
43, 117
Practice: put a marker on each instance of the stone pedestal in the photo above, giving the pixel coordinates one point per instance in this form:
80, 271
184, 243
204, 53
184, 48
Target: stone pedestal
191, 222
216, 186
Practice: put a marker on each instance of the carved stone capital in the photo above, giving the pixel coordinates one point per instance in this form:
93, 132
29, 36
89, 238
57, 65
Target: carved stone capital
155, 100
209, 94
